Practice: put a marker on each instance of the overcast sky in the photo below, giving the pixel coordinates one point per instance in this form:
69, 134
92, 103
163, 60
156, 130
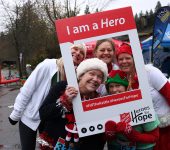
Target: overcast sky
137, 5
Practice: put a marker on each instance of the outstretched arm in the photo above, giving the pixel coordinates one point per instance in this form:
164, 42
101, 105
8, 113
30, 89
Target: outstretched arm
136, 136
165, 91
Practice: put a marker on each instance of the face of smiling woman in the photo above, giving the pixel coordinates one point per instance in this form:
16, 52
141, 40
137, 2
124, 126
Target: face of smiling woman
77, 55
105, 52
126, 63
90, 81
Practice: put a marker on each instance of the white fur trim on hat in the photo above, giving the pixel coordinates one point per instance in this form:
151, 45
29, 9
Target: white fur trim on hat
92, 64
81, 47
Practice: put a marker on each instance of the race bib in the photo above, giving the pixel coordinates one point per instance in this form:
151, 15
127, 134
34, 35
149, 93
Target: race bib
60, 145
128, 147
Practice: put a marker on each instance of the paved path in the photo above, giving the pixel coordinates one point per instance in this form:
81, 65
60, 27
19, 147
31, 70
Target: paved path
9, 135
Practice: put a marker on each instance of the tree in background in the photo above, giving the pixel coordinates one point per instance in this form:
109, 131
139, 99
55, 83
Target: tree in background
145, 21
158, 5
52, 10
11, 18
30, 26
87, 10
33, 33
25, 32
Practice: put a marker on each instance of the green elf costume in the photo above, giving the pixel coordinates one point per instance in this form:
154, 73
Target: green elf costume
121, 135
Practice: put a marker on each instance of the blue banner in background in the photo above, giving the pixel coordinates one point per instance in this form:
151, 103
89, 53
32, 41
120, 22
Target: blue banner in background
166, 38
162, 18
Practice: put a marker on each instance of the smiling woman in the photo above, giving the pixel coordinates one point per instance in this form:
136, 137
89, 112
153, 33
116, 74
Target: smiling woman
56, 112
38, 84
78, 52
105, 50
91, 73
159, 89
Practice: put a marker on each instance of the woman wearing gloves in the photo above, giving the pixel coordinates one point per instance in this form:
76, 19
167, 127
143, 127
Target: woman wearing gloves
58, 104
33, 93
122, 136
159, 89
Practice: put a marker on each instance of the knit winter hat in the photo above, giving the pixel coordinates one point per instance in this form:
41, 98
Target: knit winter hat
81, 47
124, 48
92, 64
117, 76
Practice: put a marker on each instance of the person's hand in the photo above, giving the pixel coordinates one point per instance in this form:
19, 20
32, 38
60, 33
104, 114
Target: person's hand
70, 92
12, 121
124, 128
110, 130
67, 97
135, 136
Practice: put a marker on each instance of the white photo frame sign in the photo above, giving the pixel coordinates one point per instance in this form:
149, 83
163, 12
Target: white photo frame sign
91, 115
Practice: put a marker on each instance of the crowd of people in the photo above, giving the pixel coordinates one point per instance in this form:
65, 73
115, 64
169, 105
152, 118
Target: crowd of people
44, 103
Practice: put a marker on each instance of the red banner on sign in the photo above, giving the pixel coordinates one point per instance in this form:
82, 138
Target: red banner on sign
112, 100
92, 25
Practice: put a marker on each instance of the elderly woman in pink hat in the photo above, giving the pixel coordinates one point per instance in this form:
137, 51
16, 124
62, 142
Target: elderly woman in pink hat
159, 89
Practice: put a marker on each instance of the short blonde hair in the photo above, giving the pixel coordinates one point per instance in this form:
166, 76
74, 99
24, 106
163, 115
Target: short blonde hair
81, 47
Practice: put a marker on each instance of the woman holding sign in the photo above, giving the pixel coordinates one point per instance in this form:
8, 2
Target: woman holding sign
33, 93
122, 135
57, 107
159, 89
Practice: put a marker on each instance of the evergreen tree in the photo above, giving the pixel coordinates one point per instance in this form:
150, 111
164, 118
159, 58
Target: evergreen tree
147, 14
137, 20
151, 19
140, 21
87, 10
158, 5
97, 10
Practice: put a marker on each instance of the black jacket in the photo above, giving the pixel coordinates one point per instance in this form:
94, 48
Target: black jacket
52, 121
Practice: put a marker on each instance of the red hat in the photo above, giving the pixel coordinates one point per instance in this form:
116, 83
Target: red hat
124, 48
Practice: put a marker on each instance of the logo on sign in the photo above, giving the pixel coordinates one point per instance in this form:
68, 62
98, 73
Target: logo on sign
142, 114
125, 117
